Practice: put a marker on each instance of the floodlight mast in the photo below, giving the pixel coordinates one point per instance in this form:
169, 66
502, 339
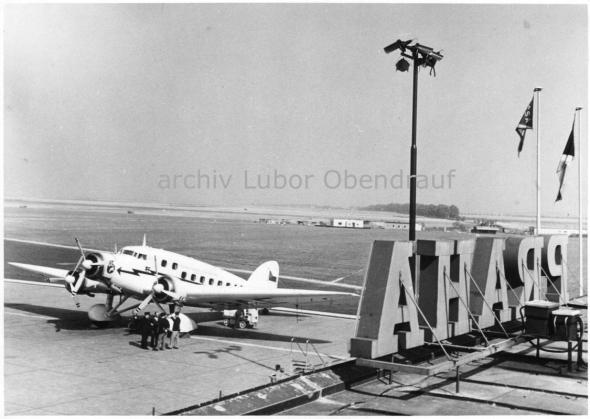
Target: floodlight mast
421, 55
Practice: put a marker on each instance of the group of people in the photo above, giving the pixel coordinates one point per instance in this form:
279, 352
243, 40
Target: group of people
156, 328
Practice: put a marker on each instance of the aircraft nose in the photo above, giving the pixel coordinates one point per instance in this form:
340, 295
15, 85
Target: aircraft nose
70, 279
158, 288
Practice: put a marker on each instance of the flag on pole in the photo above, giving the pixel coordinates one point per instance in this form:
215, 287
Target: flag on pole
526, 122
566, 157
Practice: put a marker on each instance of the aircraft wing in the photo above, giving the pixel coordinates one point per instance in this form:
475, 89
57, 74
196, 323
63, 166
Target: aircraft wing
36, 283
332, 283
233, 298
43, 270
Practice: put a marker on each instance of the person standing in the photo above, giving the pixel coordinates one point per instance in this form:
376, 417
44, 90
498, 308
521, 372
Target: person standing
146, 330
163, 328
154, 324
134, 323
175, 330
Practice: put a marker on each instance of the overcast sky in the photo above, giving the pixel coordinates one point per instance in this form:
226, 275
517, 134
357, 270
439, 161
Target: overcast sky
108, 101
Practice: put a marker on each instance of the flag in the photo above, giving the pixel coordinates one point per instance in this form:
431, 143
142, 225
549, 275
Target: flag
566, 157
526, 122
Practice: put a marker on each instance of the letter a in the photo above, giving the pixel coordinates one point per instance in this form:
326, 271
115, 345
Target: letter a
388, 319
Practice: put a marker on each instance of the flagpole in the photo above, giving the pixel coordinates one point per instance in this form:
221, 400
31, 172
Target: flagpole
580, 236
537, 91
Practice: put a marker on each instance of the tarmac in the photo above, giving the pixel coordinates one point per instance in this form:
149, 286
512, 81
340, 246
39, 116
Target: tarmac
56, 363
77, 369
511, 383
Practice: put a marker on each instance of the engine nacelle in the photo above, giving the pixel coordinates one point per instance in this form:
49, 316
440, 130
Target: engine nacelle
167, 284
100, 262
89, 286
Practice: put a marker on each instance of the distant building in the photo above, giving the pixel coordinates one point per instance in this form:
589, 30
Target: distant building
485, 229
395, 225
568, 231
347, 223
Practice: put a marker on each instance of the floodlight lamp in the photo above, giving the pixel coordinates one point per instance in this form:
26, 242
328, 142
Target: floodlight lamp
399, 44
402, 65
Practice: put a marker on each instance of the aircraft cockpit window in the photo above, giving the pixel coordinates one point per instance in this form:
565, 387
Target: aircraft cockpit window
164, 263
211, 280
134, 254
183, 275
174, 265
193, 277
128, 252
219, 283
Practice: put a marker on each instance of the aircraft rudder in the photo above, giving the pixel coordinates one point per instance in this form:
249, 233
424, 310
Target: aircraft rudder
266, 275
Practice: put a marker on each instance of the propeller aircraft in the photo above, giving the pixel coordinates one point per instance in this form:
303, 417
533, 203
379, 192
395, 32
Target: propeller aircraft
150, 275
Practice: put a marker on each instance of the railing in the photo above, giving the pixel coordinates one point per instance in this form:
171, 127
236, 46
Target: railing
306, 352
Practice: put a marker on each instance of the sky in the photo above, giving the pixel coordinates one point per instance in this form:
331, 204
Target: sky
204, 103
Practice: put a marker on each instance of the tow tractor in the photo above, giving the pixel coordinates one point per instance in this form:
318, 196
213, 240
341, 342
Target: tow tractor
241, 319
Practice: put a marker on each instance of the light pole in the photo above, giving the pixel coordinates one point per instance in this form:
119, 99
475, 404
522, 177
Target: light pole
424, 56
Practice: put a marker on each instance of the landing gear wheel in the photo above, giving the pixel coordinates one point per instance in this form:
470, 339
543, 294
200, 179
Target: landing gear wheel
242, 324
98, 315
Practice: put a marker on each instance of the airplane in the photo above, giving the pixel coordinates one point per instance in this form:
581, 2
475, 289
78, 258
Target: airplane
159, 276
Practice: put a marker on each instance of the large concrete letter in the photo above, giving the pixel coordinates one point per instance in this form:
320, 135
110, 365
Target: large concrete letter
388, 320
552, 263
458, 316
435, 263
487, 270
522, 257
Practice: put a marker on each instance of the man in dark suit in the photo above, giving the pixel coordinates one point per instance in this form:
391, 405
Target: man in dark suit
146, 330
163, 327
155, 331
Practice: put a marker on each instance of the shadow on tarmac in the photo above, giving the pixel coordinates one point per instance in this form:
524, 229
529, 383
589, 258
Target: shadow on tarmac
72, 319
231, 350
66, 319
228, 332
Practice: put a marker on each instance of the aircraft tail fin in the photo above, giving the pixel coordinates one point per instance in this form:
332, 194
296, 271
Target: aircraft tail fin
265, 276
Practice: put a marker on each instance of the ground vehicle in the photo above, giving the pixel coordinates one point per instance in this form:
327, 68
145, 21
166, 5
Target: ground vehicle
241, 319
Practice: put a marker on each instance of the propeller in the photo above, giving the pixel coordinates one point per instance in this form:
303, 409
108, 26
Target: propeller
176, 297
76, 277
158, 288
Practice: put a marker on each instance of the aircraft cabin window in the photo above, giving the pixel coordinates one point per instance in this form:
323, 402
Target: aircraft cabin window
219, 283
193, 277
183, 276
211, 280
174, 265
164, 263
227, 284
202, 280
